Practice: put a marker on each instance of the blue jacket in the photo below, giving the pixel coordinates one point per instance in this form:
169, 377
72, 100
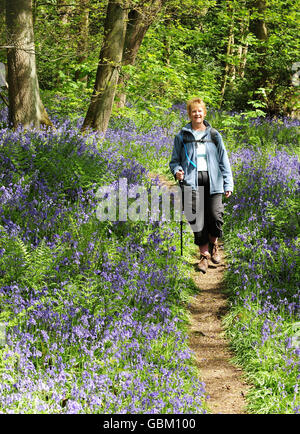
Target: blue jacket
184, 157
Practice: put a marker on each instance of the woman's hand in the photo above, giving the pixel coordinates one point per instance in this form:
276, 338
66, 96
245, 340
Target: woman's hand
228, 193
180, 175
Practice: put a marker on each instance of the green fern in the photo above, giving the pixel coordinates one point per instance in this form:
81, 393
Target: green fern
23, 250
37, 263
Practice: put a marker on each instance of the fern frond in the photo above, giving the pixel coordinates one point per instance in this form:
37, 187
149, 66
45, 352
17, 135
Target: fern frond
23, 250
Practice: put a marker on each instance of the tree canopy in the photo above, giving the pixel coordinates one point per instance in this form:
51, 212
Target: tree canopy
238, 55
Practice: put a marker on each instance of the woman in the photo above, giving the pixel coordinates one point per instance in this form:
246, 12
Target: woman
199, 158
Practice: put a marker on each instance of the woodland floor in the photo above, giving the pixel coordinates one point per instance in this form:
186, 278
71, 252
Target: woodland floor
223, 380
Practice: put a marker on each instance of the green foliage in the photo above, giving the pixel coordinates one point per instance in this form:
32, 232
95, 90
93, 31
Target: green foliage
65, 53
242, 129
161, 76
184, 53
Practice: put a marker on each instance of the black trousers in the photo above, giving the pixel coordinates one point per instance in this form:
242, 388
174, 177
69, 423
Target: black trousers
213, 212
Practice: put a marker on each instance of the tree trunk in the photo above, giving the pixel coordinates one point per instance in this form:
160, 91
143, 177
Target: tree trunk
259, 26
107, 76
34, 12
65, 10
139, 21
243, 47
135, 32
167, 43
83, 34
229, 71
25, 105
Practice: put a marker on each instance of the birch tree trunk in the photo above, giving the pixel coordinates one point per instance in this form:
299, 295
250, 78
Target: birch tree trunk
25, 105
100, 108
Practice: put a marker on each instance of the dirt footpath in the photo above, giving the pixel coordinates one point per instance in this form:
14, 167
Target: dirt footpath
223, 380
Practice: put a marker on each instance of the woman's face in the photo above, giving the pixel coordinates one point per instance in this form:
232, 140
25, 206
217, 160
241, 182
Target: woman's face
197, 114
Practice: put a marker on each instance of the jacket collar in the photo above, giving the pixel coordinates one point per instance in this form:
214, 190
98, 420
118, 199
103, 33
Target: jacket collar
188, 127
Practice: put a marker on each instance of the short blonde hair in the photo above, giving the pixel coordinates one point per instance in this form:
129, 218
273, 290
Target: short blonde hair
193, 101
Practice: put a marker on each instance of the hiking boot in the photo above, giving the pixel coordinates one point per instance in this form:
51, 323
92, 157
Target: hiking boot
203, 264
214, 253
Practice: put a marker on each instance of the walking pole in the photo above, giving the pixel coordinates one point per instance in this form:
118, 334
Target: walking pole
181, 221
